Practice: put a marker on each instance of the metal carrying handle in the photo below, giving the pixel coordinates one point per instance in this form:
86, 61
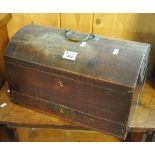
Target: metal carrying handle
69, 36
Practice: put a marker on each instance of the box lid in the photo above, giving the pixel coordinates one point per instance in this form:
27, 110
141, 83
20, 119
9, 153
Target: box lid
98, 58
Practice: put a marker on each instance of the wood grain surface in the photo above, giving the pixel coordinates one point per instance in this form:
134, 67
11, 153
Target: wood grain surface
77, 21
21, 19
61, 135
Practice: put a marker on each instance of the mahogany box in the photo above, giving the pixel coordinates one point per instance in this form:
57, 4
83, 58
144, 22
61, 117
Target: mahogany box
87, 79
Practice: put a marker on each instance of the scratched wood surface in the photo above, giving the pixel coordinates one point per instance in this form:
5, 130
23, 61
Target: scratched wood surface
59, 135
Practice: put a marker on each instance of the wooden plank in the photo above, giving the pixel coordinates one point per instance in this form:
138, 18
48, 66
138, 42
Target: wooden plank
115, 25
20, 20
59, 135
77, 21
48, 19
130, 26
136, 27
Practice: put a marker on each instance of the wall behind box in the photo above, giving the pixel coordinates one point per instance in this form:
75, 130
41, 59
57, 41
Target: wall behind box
136, 27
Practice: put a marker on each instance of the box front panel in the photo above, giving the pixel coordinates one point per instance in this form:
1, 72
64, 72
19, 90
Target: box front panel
96, 101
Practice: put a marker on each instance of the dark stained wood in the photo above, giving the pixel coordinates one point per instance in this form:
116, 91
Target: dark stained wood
34, 126
13, 114
72, 94
44, 47
96, 90
70, 114
4, 136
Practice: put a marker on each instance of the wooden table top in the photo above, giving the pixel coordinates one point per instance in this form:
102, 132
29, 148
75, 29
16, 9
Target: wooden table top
142, 116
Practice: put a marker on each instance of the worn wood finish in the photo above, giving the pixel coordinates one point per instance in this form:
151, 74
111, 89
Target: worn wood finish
59, 135
38, 42
4, 19
20, 19
100, 83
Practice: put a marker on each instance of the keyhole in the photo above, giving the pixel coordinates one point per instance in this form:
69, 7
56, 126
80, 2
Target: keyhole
61, 111
61, 84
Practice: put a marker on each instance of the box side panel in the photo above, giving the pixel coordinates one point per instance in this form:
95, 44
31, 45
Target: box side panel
136, 98
141, 78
